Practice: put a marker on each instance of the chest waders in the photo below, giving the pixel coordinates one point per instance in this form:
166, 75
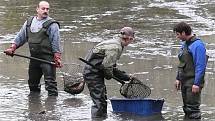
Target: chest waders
94, 78
96, 85
39, 43
40, 47
186, 71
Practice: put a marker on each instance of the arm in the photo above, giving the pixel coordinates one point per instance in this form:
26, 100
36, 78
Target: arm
110, 57
178, 82
178, 78
54, 37
177, 85
21, 37
109, 61
20, 40
199, 57
122, 75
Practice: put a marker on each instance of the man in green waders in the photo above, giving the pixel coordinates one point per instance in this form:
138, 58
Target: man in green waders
105, 55
191, 70
43, 37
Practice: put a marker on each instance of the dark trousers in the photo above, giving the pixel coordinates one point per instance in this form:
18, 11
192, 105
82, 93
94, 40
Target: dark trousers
36, 71
98, 94
191, 102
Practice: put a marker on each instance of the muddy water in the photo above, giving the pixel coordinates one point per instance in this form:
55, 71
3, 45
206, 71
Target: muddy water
152, 57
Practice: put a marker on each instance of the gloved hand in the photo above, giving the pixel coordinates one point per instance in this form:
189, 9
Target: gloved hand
108, 73
10, 51
57, 60
132, 78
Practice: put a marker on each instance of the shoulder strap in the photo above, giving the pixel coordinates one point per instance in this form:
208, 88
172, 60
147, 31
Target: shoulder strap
193, 39
29, 21
28, 25
187, 44
49, 22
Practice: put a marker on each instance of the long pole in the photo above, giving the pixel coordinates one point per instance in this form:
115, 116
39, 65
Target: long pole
33, 58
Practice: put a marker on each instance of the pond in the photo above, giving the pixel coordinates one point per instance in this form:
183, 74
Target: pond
152, 57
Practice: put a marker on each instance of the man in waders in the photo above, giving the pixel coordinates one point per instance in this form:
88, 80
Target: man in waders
104, 56
191, 70
43, 37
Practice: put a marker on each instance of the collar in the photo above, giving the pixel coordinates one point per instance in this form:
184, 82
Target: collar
191, 40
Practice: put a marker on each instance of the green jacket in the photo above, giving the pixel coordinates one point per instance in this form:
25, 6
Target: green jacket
103, 54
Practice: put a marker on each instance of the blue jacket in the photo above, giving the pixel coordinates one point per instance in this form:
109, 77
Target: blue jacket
198, 51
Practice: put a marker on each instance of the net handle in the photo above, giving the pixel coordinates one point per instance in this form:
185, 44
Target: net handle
33, 58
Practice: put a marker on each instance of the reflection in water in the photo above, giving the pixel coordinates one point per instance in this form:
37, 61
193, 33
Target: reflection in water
35, 106
38, 110
73, 102
128, 117
50, 104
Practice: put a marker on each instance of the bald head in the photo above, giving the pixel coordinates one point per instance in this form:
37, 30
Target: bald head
42, 10
43, 3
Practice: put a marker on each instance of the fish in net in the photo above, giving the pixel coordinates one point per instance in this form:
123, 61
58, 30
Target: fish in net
134, 89
73, 78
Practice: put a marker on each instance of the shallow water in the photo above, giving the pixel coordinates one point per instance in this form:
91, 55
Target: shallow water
152, 58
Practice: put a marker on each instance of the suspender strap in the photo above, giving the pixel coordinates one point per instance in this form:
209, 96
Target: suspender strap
49, 22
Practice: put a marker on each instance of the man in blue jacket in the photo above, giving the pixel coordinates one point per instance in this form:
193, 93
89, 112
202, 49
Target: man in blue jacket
191, 70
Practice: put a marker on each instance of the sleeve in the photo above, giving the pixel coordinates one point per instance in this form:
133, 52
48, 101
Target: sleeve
109, 61
179, 69
199, 58
21, 37
177, 76
54, 37
122, 75
110, 57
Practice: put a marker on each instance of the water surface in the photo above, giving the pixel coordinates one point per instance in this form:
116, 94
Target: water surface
152, 57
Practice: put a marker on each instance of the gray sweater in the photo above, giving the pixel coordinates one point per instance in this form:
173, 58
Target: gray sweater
36, 25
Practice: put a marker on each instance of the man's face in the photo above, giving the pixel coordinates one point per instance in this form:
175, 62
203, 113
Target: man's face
43, 10
180, 36
127, 40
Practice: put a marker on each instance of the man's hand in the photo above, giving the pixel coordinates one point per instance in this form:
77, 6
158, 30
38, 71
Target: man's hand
131, 77
134, 79
177, 85
195, 89
57, 60
10, 51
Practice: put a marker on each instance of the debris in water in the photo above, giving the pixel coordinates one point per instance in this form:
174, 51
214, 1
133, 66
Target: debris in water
42, 112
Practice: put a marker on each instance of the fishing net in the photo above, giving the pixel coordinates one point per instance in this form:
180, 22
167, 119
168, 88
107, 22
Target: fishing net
135, 89
72, 78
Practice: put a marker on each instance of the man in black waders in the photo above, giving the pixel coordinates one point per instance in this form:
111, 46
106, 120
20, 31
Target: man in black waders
191, 70
43, 37
104, 56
